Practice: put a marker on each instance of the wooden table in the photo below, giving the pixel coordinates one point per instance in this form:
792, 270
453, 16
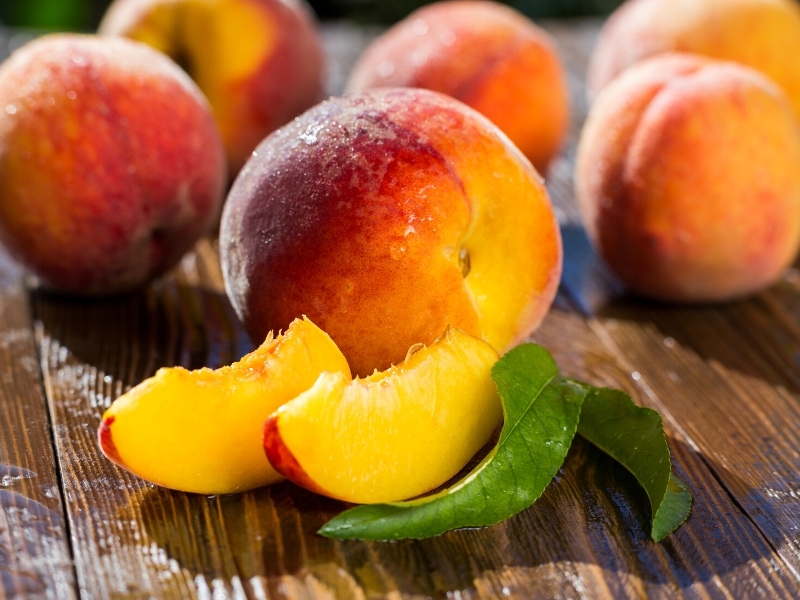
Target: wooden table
726, 379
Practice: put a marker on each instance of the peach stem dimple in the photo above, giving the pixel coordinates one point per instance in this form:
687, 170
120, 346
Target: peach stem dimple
464, 262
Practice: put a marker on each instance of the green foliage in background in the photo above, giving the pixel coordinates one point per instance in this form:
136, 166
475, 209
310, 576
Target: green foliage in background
58, 15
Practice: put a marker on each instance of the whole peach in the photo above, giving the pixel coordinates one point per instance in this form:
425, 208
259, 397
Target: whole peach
485, 54
763, 34
259, 62
111, 166
386, 216
688, 178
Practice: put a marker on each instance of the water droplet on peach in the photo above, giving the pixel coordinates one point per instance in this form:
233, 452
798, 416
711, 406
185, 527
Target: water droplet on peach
464, 261
397, 251
386, 69
420, 27
447, 38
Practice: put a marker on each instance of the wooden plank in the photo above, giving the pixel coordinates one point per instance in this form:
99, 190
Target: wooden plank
741, 561
35, 558
727, 377
716, 384
261, 542
92, 350
585, 538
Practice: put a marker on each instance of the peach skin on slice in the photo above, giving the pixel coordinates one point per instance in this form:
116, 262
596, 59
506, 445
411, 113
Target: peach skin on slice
394, 434
201, 431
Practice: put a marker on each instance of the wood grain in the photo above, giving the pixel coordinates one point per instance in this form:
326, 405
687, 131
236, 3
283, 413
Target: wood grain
34, 550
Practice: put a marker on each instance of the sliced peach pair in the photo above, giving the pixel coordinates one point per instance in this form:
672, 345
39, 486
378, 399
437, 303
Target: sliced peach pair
389, 436
200, 430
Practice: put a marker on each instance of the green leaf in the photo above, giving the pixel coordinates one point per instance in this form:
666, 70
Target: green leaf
541, 411
634, 436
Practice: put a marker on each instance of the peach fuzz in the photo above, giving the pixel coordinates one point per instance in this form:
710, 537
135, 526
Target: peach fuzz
386, 216
395, 434
201, 431
688, 179
762, 34
259, 62
111, 166
486, 55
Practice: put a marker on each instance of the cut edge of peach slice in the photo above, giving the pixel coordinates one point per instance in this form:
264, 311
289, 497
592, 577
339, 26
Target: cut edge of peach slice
201, 431
395, 434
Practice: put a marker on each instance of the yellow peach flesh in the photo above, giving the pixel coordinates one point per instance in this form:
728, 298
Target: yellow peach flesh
201, 431
395, 434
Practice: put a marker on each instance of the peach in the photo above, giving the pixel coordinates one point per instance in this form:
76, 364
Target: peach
392, 435
485, 54
111, 166
259, 62
386, 216
688, 178
201, 431
762, 34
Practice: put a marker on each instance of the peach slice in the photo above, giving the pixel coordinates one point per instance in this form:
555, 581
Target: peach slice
201, 431
394, 434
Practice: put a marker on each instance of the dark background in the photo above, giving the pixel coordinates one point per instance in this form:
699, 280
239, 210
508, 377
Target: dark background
84, 15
